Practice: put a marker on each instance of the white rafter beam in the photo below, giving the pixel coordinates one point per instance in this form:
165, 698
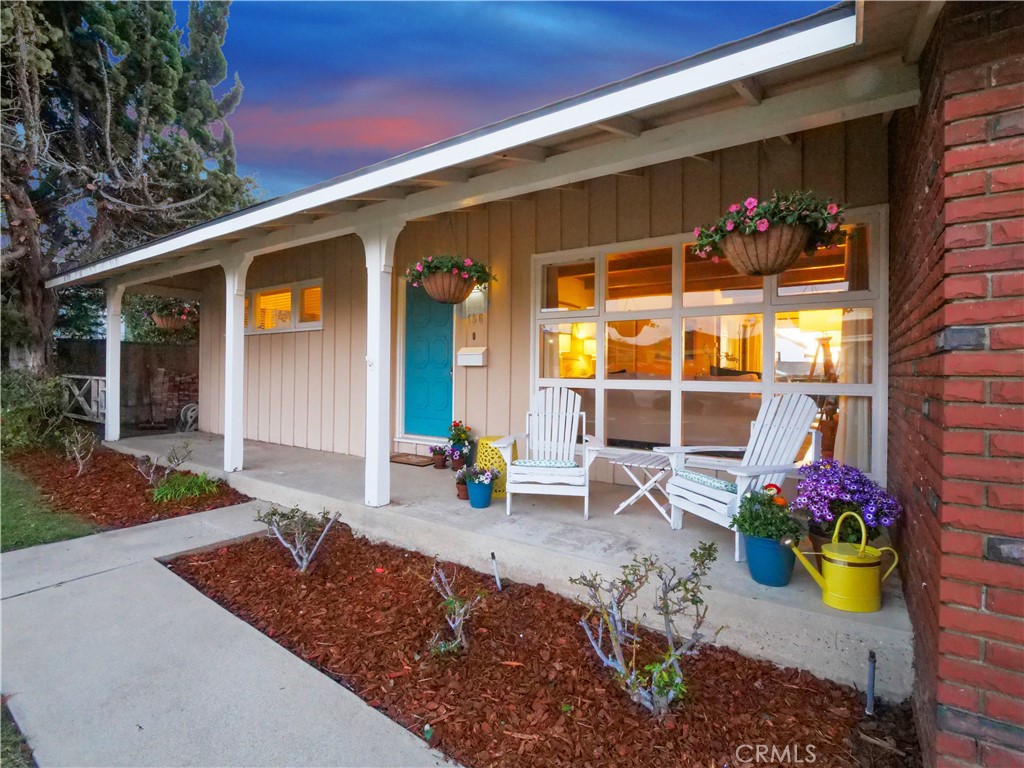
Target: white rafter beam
443, 176
623, 125
749, 90
528, 153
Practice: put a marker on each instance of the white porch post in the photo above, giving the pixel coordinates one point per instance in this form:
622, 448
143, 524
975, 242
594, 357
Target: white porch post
234, 359
112, 416
379, 244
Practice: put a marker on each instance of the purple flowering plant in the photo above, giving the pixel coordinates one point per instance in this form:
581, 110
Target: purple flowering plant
474, 473
822, 217
828, 488
438, 450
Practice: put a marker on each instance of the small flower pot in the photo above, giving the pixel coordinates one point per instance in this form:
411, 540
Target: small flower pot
440, 461
446, 288
769, 562
462, 491
480, 495
459, 463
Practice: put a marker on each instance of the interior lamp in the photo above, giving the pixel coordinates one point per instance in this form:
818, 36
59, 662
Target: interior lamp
823, 321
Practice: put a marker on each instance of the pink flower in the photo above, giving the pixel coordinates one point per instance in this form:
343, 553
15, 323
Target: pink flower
832, 208
715, 259
465, 274
831, 227
730, 225
455, 270
415, 285
419, 266
762, 225
430, 258
751, 203
734, 207
467, 262
696, 231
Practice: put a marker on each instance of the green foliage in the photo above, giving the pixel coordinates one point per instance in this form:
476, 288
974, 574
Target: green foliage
31, 410
761, 515
665, 678
27, 520
80, 313
181, 485
14, 752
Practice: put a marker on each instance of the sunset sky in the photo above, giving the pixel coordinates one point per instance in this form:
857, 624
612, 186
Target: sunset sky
331, 87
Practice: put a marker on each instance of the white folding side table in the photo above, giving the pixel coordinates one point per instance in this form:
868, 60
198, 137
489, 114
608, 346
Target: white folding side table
649, 468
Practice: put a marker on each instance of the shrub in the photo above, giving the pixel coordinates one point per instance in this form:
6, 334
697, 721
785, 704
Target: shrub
32, 410
296, 531
79, 444
658, 685
150, 468
179, 485
456, 611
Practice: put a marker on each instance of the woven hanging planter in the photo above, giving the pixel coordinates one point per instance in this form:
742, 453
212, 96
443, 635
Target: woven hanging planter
446, 288
169, 322
767, 253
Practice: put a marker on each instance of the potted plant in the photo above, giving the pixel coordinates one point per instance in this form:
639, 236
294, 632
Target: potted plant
440, 456
480, 483
461, 489
828, 488
172, 314
765, 237
764, 520
448, 279
460, 444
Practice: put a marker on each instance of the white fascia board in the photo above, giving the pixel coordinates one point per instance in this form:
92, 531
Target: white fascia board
826, 38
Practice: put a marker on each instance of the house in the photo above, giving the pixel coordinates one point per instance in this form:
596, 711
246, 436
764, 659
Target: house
909, 112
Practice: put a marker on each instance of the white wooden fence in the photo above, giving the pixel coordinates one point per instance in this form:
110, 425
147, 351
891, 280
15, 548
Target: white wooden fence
85, 397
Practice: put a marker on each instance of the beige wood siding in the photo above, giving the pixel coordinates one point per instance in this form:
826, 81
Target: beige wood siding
308, 388
302, 388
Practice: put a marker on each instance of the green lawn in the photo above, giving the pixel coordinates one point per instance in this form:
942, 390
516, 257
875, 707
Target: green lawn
14, 753
25, 520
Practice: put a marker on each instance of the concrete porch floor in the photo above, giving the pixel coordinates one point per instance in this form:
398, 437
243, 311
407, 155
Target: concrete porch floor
546, 541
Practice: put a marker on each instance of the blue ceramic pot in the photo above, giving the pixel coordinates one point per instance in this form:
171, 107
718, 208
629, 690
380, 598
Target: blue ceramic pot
479, 495
769, 562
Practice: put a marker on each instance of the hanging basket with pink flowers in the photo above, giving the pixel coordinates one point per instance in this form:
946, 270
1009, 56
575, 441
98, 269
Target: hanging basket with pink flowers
448, 279
766, 237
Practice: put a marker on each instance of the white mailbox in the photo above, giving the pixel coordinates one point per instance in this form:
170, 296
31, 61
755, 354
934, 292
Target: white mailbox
471, 356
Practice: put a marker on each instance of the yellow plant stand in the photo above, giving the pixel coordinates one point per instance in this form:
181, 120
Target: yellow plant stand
488, 457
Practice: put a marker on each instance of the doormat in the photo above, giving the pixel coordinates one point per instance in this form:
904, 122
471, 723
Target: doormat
412, 459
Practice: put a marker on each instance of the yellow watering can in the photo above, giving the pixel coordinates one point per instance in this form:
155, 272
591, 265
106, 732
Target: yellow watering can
851, 577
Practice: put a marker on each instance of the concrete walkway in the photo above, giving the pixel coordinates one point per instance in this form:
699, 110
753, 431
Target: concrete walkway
109, 659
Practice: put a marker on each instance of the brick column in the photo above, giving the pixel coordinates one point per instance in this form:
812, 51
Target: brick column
956, 437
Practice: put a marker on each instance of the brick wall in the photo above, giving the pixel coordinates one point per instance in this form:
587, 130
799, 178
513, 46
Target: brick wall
956, 432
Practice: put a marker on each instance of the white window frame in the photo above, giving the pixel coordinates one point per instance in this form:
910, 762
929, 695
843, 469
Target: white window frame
874, 298
296, 288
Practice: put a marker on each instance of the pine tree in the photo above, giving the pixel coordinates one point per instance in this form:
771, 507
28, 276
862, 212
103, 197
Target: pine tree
112, 136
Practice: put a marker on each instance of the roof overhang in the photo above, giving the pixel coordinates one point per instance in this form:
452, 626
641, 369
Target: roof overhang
712, 98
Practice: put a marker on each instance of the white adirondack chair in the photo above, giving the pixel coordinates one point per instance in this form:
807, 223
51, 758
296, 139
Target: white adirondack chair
549, 464
782, 426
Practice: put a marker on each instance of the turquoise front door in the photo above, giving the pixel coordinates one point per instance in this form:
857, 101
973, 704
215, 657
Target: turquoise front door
428, 365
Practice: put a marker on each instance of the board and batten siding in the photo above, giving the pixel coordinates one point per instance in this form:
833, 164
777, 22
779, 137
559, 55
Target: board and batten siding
302, 388
308, 388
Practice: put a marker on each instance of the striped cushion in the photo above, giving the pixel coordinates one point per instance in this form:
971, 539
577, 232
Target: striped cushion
706, 480
546, 463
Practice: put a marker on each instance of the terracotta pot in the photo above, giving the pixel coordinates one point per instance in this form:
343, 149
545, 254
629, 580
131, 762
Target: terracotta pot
459, 463
440, 461
169, 322
818, 540
446, 288
462, 491
766, 253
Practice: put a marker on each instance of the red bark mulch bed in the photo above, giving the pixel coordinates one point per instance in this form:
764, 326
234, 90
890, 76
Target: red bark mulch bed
110, 493
529, 690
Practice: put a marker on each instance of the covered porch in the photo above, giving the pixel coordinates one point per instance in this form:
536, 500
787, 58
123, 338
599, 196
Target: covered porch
546, 541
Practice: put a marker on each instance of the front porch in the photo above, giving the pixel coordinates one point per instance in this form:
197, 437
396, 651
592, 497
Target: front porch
546, 541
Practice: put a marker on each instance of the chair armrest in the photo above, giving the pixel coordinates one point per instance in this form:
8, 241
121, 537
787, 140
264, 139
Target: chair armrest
711, 462
591, 443
761, 469
700, 449
506, 442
